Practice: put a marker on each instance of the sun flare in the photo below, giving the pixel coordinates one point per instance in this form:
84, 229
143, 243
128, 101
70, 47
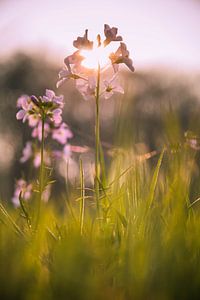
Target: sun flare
98, 55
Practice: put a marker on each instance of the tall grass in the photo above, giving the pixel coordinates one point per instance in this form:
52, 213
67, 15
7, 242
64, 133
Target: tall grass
147, 247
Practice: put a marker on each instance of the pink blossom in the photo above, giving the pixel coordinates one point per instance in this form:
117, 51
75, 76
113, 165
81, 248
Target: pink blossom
62, 133
87, 88
25, 103
37, 131
112, 86
121, 56
74, 59
55, 116
83, 42
65, 75
22, 187
37, 159
52, 98
33, 120
111, 34
27, 152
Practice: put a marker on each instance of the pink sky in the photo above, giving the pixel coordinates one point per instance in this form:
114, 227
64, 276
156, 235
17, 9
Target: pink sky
157, 32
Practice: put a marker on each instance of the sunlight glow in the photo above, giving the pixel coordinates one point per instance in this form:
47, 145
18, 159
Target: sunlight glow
98, 55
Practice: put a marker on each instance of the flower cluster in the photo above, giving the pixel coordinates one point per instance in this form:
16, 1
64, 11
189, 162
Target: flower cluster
45, 110
83, 65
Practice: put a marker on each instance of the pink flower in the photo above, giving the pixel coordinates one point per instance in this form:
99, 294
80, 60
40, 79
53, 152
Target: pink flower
111, 34
74, 59
87, 88
25, 189
37, 131
121, 56
62, 133
83, 42
55, 116
26, 104
33, 120
112, 87
65, 75
37, 159
50, 97
27, 152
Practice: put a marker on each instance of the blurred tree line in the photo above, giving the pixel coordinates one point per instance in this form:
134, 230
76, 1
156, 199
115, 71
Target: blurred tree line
156, 109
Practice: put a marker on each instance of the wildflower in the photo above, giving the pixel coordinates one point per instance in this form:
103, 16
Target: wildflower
50, 97
37, 159
27, 152
83, 42
24, 102
23, 188
121, 56
66, 74
111, 34
62, 133
37, 131
73, 59
87, 88
112, 87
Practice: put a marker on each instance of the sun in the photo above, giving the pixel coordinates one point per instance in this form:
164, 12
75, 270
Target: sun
97, 56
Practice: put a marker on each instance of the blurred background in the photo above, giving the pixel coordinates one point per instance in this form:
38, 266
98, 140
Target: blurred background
162, 97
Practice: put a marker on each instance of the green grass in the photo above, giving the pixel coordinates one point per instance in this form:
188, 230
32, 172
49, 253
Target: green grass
145, 246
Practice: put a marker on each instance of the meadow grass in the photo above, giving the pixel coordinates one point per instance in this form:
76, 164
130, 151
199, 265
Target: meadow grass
146, 244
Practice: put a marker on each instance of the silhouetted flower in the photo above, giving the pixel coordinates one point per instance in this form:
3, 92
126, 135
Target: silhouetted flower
111, 34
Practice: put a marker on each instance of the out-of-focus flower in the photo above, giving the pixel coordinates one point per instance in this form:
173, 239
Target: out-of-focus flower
27, 152
34, 109
87, 88
37, 131
112, 86
121, 56
37, 159
50, 97
192, 140
83, 42
55, 116
26, 105
62, 133
111, 34
23, 188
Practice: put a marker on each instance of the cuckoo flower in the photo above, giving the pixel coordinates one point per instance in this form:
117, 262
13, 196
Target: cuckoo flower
121, 56
26, 105
112, 86
87, 88
83, 42
23, 188
62, 133
111, 34
37, 131
27, 152
37, 159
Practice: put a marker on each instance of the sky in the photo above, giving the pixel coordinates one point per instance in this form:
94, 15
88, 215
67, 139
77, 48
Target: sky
157, 32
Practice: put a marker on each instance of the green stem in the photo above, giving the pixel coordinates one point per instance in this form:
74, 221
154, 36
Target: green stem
97, 143
82, 201
41, 176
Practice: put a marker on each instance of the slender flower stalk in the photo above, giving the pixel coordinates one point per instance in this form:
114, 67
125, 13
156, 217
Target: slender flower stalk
81, 66
97, 143
41, 178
